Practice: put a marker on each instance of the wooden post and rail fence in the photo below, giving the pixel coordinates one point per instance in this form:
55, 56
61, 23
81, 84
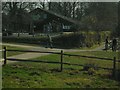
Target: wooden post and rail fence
61, 59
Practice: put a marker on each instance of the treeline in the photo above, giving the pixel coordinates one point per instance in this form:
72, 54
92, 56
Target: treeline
91, 15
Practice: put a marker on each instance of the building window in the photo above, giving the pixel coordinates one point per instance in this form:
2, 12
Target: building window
66, 27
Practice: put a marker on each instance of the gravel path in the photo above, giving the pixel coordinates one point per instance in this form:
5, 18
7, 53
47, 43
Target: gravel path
37, 48
48, 49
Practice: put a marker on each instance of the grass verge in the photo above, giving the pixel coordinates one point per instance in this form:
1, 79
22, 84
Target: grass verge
43, 75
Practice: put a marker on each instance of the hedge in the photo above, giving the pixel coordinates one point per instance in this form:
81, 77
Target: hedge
72, 40
81, 39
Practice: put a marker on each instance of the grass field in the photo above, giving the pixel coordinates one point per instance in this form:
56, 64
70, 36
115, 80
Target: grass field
43, 75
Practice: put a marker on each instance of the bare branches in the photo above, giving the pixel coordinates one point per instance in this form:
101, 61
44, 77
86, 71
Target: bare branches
26, 6
4, 5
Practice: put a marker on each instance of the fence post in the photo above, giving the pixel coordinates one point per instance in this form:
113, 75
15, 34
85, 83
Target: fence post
5, 55
114, 66
61, 61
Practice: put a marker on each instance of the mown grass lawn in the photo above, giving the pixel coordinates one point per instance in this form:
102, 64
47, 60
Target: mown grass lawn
43, 75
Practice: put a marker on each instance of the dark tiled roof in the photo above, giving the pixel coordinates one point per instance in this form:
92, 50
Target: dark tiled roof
69, 20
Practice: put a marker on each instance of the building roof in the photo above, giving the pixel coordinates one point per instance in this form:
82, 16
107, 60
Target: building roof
57, 16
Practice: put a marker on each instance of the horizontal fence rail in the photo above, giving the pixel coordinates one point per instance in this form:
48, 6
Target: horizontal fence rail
24, 60
32, 51
114, 69
91, 57
52, 62
75, 55
1, 50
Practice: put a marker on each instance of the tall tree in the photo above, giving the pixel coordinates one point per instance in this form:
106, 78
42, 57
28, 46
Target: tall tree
104, 15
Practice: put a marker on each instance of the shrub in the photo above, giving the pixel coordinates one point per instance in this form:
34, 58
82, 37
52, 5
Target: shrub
69, 41
80, 39
91, 71
28, 40
90, 68
87, 66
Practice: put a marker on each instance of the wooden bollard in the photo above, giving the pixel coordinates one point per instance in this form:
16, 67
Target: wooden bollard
5, 60
61, 61
114, 66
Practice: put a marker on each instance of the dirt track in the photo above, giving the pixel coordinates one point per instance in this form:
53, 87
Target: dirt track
36, 48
